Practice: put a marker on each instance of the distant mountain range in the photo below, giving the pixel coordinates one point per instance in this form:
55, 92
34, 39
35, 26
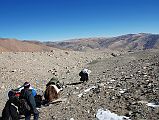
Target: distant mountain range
139, 41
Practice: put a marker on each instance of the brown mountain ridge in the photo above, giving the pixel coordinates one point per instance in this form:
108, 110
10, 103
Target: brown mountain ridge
13, 45
141, 41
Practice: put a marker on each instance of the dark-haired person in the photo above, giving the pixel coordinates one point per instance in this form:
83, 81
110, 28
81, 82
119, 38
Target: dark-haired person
26, 93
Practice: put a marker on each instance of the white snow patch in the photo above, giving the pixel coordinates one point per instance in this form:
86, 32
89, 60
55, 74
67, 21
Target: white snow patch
110, 87
93, 87
152, 105
87, 90
107, 115
80, 95
112, 80
77, 88
122, 90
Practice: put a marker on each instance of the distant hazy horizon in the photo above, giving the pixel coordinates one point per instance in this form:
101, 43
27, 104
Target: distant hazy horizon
56, 20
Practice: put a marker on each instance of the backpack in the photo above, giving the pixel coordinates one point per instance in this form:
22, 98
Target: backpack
13, 93
24, 107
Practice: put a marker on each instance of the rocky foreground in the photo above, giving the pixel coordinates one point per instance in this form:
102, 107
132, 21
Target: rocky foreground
123, 84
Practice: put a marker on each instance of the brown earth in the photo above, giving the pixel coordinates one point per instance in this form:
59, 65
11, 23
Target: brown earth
13, 45
39, 67
141, 41
124, 84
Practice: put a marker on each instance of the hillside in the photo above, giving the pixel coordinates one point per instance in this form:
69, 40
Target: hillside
124, 84
139, 41
13, 45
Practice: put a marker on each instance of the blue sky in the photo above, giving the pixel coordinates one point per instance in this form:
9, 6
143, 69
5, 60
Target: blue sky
54, 20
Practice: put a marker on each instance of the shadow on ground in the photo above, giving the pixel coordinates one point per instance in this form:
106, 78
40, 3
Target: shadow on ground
76, 83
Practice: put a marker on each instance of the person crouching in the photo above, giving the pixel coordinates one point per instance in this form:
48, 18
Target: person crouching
84, 75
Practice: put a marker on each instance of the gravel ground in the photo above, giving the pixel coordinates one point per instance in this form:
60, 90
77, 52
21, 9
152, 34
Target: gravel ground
123, 84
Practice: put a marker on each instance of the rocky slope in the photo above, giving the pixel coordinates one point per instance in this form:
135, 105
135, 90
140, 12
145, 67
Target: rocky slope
123, 84
39, 67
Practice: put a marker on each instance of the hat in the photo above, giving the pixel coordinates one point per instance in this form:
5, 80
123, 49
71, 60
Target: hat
26, 84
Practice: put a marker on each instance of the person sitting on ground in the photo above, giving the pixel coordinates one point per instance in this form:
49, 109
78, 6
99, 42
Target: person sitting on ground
84, 75
26, 94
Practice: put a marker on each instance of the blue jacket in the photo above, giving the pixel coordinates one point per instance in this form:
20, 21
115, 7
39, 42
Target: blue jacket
33, 92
